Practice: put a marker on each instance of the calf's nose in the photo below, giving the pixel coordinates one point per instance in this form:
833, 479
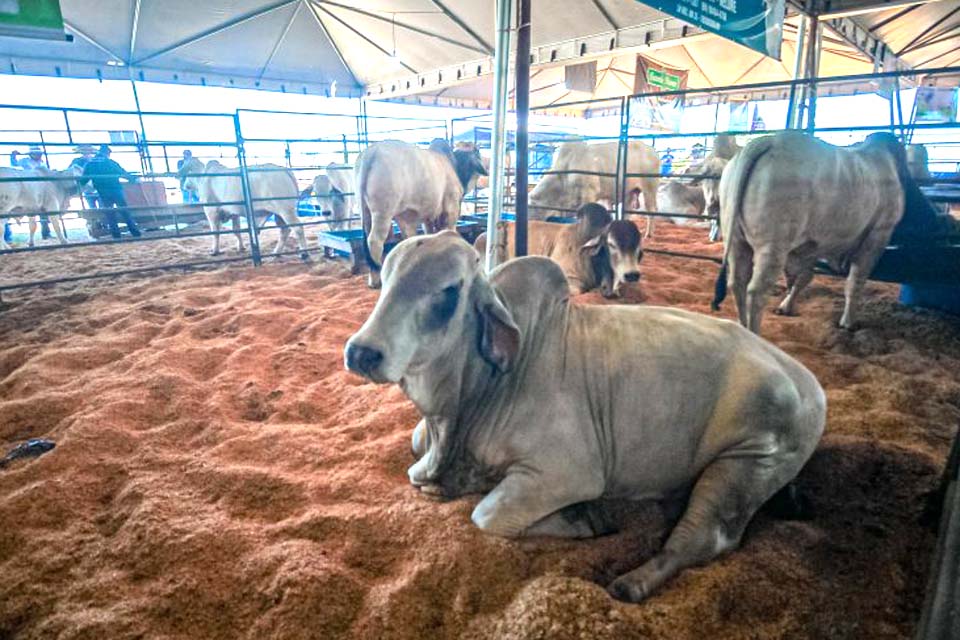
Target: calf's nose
361, 359
633, 276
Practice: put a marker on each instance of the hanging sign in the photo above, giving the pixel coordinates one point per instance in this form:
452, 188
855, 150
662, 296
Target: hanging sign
757, 24
654, 77
31, 19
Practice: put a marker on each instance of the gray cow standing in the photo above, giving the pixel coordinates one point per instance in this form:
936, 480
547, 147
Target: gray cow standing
550, 406
790, 199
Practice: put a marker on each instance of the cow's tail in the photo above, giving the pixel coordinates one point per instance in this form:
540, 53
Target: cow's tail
363, 172
736, 175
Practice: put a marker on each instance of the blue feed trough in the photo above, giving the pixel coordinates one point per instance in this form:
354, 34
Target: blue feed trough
933, 296
348, 243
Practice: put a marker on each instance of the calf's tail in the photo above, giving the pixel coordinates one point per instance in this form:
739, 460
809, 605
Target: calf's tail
732, 186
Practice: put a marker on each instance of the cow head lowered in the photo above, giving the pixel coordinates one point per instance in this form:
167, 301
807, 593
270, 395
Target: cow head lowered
435, 301
614, 257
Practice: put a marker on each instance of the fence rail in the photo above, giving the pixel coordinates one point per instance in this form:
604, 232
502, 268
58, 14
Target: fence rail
242, 139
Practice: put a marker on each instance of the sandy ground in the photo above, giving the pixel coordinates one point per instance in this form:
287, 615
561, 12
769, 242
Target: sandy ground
218, 475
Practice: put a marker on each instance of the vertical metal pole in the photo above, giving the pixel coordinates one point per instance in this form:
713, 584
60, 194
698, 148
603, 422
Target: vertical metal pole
522, 93
286, 154
346, 152
43, 145
166, 159
623, 146
247, 197
66, 122
903, 126
813, 71
500, 81
797, 74
145, 159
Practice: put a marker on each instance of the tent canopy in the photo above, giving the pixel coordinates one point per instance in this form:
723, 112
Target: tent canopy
398, 48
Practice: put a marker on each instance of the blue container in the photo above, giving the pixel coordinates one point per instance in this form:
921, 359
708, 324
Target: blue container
933, 296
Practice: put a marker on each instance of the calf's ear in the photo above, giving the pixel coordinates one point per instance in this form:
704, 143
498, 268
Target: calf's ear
499, 335
593, 245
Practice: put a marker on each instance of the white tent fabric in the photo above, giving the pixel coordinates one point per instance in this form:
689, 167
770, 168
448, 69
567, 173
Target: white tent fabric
341, 46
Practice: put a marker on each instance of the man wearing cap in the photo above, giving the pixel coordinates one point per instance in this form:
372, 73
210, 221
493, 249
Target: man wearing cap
183, 165
106, 174
80, 162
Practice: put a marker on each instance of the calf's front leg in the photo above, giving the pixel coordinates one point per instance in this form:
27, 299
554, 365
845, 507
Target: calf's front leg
530, 503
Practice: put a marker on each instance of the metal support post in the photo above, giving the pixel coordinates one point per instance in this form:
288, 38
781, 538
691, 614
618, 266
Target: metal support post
522, 92
797, 74
622, 158
247, 195
813, 70
66, 123
144, 149
500, 82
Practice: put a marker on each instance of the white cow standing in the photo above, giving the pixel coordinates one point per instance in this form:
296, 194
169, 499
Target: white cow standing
33, 197
397, 180
790, 199
568, 191
273, 190
334, 187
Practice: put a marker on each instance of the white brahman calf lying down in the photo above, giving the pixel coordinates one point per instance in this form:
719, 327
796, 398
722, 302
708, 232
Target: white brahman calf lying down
550, 406
273, 190
595, 251
790, 199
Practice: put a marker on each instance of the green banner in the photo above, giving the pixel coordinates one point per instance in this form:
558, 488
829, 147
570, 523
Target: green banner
31, 19
757, 24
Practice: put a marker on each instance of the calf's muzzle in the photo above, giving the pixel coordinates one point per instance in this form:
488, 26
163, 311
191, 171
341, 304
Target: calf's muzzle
362, 359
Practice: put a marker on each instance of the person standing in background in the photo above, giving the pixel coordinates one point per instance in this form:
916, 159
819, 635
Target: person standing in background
105, 175
182, 168
80, 162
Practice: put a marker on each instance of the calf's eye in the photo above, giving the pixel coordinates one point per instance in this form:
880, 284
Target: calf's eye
443, 307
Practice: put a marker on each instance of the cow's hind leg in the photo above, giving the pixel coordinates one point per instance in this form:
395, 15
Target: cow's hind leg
291, 218
726, 496
213, 219
56, 221
861, 265
799, 273
741, 271
284, 235
32, 226
768, 263
235, 221
649, 190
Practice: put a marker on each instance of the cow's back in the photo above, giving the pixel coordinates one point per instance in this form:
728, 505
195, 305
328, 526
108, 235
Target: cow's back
396, 177
691, 364
802, 190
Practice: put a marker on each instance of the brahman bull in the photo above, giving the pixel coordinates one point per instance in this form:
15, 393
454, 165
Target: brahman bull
33, 197
334, 188
554, 405
595, 251
556, 193
273, 190
397, 180
789, 199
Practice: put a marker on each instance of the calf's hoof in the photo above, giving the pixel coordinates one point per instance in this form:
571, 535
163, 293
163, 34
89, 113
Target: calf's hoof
373, 280
304, 256
628, 589
780, 311
214, 253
